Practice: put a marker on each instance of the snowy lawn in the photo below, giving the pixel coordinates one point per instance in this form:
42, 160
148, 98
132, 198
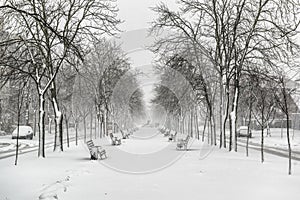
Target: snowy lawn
196, 175
277, 139
8, 145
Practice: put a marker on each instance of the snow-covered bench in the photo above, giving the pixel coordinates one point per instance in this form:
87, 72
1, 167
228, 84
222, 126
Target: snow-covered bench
167, 132
96, 151
125, 134
114, 140
172, 136
182, 143
162, 130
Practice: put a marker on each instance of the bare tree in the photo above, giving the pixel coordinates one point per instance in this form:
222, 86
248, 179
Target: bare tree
52, 31
264, 106
283, 99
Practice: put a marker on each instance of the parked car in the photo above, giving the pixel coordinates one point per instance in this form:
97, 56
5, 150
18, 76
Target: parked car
25, 132
242, 132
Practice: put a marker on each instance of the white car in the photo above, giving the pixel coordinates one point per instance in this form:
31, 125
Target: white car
243, 130
25, 132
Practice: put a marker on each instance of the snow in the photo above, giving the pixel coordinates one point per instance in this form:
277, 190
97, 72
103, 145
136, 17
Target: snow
200, 173
275, 140
8, 145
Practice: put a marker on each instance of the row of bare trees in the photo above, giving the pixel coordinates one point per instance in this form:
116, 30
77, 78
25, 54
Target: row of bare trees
59, 47
231, 46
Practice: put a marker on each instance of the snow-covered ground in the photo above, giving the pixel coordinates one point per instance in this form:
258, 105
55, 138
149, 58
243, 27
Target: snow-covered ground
200, 173
8, 145
277, 139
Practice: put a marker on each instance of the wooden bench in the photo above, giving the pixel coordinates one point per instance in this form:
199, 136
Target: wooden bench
172, 137
182, 144
96, 151
114, 140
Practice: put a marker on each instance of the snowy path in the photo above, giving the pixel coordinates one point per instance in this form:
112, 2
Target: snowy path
218, 175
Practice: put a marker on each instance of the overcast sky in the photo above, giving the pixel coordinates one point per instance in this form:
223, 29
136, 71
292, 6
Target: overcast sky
137, 14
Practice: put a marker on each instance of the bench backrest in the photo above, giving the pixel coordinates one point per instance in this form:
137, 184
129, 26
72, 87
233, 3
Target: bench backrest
122, 132
90, 144
111, 135
187, 139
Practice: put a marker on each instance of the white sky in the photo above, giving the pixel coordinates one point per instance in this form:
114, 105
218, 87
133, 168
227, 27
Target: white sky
137, 14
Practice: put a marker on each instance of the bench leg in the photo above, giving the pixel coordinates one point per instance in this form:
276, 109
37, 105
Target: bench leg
94, 157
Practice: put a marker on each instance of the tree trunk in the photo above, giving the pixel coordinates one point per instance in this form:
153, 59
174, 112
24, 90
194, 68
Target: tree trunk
262, 144
203, 133
58, 144
95, 123
214, 130
288, 140
67, 128
208, 131
226, 114
18, 126
27, 113
18, 133
34, 126
49, 125
233, 120
183, 124
281, 133
191, 123
76, 132
249, 128
221, 108
41, 152
84, 127
91, 125
100, 127
58, 127
197, 125
106, 123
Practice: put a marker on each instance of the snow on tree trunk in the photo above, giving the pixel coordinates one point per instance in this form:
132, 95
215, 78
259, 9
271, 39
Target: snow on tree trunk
232, 129
41, 152
58, 145
225, 113
233, 120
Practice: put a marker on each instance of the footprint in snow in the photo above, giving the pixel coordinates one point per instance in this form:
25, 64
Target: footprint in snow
50, 192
